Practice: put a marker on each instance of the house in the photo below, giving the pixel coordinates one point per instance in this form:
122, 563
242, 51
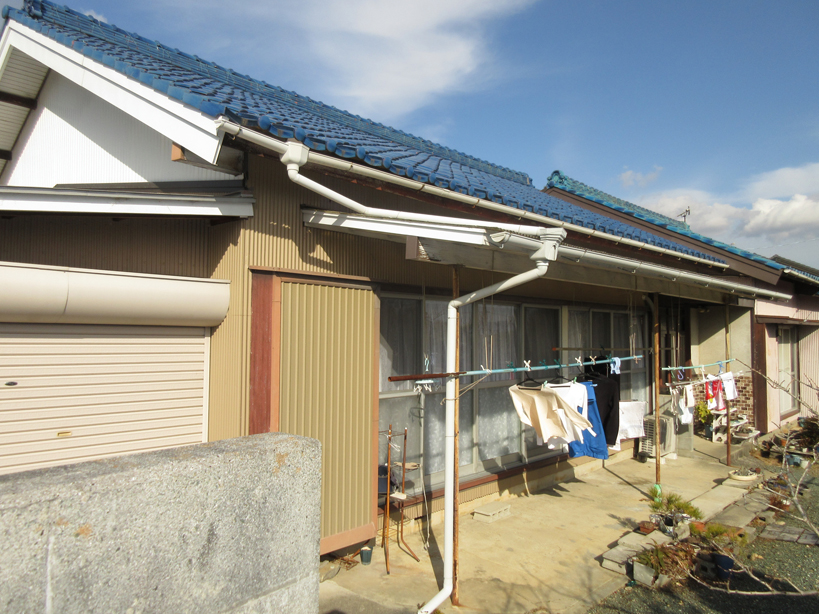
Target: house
779, 339
190, 254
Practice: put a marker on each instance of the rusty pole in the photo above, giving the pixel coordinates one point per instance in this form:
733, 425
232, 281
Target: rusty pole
456, 291
657, 455
727, 405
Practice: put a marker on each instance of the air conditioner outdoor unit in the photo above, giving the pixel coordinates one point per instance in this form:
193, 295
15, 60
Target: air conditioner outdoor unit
668, 437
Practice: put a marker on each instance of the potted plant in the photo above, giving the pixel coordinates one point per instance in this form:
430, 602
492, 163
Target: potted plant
672, 509
704, 417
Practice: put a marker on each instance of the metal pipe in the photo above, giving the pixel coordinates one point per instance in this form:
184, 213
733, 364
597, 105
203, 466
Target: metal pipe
653, 270
457, 374
449, 454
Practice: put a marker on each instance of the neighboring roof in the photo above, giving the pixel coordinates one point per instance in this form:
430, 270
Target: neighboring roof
559, 180
562, 182
798, 268
216, 91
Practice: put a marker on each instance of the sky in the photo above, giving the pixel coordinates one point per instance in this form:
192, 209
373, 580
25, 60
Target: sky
708, 106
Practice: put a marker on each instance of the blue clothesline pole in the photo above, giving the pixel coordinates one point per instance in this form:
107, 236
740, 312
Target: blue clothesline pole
543, 367
423, 376
710, 364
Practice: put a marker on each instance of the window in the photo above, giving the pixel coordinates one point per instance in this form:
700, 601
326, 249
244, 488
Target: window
493, 334
598, 332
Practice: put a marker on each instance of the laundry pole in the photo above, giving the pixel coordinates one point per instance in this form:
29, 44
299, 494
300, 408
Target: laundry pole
547, 252
657, 455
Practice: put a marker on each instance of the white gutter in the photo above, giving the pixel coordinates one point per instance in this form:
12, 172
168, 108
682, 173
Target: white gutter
630, 265
801, 275
547, 251
328, 161
652, 270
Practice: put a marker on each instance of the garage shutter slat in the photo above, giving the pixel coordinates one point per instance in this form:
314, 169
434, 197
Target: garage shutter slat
115, 389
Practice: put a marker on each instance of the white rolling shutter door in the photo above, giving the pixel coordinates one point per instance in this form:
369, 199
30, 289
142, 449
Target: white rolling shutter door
71, 393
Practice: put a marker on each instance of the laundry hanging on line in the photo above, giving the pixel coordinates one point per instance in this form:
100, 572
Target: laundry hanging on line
555, 421
718, 389
593, 445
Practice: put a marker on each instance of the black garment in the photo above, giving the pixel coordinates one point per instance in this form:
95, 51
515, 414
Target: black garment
607, 391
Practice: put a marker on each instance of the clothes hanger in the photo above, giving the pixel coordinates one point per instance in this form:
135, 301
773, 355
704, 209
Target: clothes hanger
530, 380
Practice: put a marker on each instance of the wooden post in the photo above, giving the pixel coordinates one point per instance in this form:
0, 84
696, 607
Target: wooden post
456, 291
727, 405
657, 382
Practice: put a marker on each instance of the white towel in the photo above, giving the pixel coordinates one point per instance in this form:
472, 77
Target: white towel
689, 396
729, 386
631, 420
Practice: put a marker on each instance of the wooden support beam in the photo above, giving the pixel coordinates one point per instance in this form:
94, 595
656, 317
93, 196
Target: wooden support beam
231, 161
18, 101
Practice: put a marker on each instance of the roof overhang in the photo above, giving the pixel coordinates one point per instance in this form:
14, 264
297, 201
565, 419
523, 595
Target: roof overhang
485, 250
49, 200
183, 124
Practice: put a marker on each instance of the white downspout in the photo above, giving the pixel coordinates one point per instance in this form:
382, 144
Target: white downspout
546, 253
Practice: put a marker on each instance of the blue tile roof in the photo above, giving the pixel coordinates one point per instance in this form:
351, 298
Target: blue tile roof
558, 180
217, 91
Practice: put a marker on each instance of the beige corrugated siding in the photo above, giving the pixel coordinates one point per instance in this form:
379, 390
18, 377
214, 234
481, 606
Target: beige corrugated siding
327, 354
138, 245
809, 367
108, 389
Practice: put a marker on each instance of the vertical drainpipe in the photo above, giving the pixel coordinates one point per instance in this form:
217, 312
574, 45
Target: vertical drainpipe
548, 252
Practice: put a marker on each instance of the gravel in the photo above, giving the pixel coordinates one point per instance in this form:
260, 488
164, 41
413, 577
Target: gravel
796, 563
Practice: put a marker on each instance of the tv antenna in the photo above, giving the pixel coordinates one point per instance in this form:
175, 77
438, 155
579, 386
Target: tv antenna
685, 214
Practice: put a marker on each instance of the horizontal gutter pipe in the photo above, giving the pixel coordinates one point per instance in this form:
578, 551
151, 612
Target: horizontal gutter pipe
280, 147
650, 270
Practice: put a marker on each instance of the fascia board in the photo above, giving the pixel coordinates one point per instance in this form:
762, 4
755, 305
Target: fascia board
189, 127
123, 205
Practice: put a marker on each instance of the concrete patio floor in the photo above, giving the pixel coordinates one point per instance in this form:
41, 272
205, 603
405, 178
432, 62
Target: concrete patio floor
545, 557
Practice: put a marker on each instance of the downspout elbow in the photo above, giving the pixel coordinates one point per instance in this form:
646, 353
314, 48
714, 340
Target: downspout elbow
438, 599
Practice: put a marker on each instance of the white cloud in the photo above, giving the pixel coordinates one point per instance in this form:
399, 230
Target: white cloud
791, 220
381, 60
95, 15
766, 225
629, 178
783, 182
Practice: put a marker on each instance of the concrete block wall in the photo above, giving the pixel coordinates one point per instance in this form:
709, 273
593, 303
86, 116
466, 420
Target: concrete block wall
229, 526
